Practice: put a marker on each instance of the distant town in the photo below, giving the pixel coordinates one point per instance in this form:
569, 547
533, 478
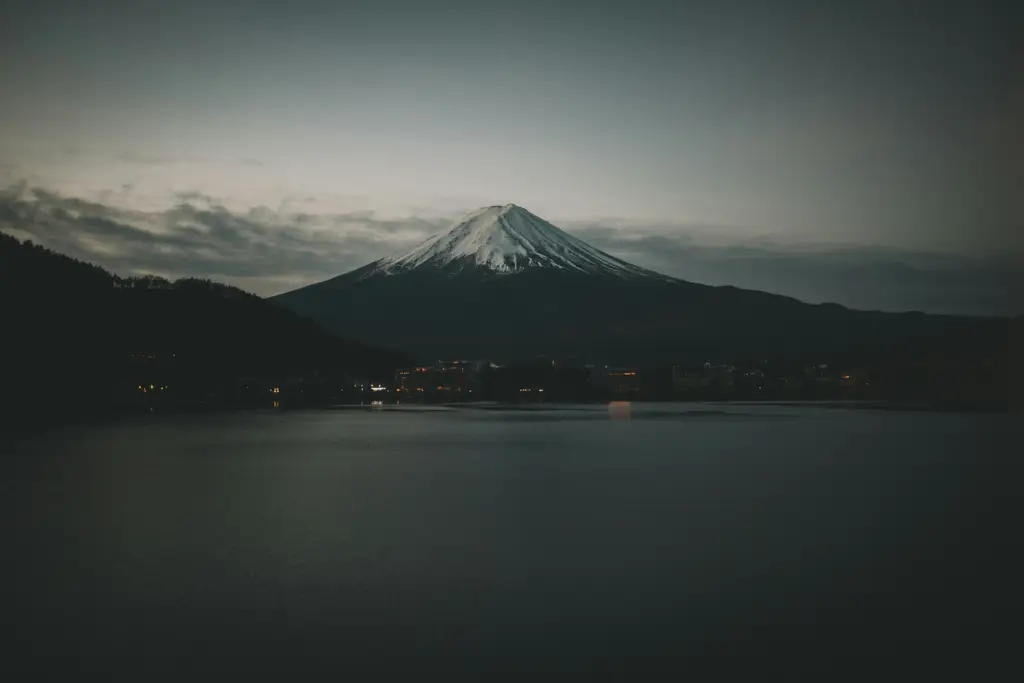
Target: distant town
541, 380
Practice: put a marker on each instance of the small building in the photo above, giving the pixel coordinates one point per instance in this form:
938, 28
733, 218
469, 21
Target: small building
685, 380
617, 380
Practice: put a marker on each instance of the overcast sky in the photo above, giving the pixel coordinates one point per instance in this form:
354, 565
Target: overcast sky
886, 132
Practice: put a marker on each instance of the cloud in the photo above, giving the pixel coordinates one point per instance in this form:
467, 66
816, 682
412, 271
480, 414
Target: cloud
144, 159
150, 159
265, 251
268, 251
855, 276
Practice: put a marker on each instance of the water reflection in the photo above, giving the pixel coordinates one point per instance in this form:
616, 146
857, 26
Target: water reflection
233, 541
620, 410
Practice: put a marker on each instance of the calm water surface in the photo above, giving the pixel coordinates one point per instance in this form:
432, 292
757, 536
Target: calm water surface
482, 540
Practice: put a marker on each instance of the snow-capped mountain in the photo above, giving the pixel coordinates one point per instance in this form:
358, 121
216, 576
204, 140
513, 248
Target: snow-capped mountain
507, 239
506, 284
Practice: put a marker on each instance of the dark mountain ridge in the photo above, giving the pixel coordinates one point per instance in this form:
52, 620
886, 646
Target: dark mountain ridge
74, 334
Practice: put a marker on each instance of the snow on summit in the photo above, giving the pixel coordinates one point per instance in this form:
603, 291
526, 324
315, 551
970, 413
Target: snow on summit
508, 239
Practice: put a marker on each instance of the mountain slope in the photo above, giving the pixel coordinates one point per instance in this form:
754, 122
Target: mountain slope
71, 330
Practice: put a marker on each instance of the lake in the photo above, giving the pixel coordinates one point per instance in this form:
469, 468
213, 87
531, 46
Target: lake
574, 538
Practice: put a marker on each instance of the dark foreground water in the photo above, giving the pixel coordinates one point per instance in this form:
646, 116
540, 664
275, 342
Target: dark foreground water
473, 540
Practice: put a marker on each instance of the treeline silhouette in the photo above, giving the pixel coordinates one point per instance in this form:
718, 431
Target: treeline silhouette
79, 340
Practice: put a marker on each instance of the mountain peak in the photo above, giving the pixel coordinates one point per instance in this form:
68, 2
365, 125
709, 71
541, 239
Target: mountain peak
508, 239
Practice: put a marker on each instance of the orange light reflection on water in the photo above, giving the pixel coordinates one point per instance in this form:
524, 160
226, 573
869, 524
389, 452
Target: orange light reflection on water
620, 410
